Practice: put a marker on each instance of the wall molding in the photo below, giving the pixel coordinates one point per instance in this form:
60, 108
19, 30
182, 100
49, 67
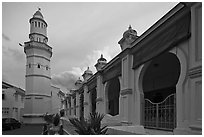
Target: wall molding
99, 99
86, 103
195, 72
38, 56
37, 75
126, 91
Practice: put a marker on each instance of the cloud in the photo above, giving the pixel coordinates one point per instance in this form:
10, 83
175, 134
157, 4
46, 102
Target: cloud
108, 52
65, 79
16, 54
5, 37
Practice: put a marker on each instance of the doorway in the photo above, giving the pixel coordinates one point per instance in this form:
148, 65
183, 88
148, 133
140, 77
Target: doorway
159, 87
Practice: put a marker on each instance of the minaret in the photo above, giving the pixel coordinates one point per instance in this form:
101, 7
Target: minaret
38, 86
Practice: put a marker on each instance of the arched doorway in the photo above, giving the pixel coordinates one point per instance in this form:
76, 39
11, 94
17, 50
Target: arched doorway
112, 96
159, 87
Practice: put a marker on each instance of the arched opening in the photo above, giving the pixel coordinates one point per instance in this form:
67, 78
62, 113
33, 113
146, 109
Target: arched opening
93, 100
113, 93
159, 87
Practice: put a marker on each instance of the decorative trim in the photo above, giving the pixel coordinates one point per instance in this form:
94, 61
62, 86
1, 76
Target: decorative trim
38, 57
38, 98
100, 99
195, 72
37, 45
38, 34
33, 115
37, 75
126, 91
86, 103
37, 94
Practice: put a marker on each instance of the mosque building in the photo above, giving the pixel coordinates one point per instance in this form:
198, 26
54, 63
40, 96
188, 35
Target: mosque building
155, 82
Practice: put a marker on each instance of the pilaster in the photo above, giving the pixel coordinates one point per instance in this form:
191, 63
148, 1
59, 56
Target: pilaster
77, 105
86, 102
126, 93
100, 104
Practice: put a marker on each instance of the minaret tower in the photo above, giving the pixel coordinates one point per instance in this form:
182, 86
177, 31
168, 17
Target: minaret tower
38, 80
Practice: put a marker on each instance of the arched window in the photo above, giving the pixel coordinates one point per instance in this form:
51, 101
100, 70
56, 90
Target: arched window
29, 65
38, 65
35, 24
113, 93
39, 24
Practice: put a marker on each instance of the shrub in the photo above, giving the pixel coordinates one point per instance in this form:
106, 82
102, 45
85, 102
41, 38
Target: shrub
91, 126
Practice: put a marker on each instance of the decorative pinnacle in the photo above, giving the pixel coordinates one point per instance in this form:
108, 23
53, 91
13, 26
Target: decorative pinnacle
129, 27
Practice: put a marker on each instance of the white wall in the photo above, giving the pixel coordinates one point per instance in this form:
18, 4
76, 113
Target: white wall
15, 105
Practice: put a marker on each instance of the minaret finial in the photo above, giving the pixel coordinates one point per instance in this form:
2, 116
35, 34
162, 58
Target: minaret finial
101, 55
39, 9
130, 27
88, 68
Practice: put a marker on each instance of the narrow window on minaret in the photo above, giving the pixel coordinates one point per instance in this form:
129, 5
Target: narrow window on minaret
29, 65
38, 65
35, 24
41, 25
46, 67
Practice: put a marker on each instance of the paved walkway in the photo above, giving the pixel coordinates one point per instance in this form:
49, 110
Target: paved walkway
157, 132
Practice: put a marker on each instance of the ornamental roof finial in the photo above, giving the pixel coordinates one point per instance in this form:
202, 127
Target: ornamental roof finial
130, 27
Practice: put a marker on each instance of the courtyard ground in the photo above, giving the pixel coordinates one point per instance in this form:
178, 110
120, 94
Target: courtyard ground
25, 130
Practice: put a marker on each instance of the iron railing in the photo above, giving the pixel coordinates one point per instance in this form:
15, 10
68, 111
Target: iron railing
161, 115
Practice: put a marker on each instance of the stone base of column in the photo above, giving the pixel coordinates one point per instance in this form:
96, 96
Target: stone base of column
188, 131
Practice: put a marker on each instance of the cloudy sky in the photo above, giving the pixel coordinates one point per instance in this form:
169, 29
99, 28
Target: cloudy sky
77, 32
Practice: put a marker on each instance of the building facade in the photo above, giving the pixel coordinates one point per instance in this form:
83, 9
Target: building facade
155, 82
12, 102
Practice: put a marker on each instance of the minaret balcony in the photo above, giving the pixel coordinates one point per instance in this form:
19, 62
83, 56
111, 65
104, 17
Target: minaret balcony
38, 45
